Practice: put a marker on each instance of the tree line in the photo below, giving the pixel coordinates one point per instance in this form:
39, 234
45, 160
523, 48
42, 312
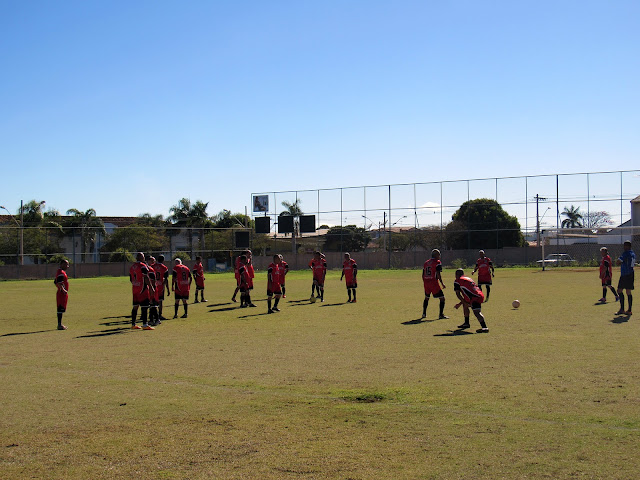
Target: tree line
478, 223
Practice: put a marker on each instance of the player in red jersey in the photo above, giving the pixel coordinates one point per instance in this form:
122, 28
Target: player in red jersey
471, 297
180, 285
244, 282
154, 317
432, 279
484, 267
140, 285
284, 269
319, 267
198, 275
273, 284
61, 281
606, 273
236, 268
162, 283
350, 272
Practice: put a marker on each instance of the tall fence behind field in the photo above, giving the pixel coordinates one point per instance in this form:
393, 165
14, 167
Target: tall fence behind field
537, 200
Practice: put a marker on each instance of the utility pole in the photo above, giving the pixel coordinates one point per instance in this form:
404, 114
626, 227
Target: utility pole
538, 198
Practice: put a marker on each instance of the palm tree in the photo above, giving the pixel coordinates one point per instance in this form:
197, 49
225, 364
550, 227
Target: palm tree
574, 217
90, 226
186, 214
294, 210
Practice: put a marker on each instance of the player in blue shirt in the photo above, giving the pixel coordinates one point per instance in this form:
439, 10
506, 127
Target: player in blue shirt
626, 261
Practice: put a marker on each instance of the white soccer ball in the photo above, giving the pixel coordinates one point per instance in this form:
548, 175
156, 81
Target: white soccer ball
312, 299
515, 303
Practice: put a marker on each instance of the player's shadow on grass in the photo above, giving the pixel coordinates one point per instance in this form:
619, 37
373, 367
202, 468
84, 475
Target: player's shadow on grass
113, 324
104, 333
26, 333
257, 314
418, 321
299, 301
226, 309
620, 319
333, 304
453, 333
219, 304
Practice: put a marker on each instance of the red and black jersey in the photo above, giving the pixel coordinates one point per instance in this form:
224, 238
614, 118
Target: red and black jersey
606, 268
181, 278
273, 276
319, 268
430, 269
162, 274
349, 269
284, 269
62, 279
137, 274
483, 266
469, 290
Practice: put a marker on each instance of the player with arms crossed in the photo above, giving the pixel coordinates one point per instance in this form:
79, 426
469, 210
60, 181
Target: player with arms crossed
273, 283
140, 286
318, 266
626, 261
198, 276
180, 285
350, 272
62, 294
606, 273
484, 267
432, 279
471, 297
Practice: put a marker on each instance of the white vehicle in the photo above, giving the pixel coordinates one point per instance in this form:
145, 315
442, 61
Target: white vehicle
557, 259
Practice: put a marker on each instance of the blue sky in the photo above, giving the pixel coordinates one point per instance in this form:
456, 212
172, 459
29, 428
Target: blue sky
126, 107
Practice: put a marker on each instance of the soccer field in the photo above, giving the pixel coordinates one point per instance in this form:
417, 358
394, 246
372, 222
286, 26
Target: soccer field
325, 390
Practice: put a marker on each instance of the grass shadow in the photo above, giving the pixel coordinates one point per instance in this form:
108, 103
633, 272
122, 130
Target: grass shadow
26, 333
333, 304
226, 309
620, 319
104, 333
453, 333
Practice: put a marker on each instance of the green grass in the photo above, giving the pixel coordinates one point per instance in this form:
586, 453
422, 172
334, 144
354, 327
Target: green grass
329, 390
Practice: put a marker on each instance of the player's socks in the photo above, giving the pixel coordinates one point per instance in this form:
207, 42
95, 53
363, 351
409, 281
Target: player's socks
480, 318
133, 316
186, 306
269, 303
349, 293
604, 293
488, 292
613, 290
143, 315
442, 308
275, 303
283, 291
622, 302
630, 299
425, 304
354, 294
175, 310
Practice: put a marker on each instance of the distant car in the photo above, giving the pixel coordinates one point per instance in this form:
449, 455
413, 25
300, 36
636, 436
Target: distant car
557, 259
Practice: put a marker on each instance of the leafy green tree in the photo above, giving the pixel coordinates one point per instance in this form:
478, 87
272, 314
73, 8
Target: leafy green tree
574, 217
151, 220
89, 224
346, 239
121, 255
426, 238
135, 238
483, 223
226, 219
191, 215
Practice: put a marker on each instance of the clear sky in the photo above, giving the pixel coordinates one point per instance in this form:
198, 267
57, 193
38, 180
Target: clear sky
128, 106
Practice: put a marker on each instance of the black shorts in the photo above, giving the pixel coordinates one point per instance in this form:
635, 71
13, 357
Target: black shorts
626, 282
476, 306
141, 303
275, 291
177, 296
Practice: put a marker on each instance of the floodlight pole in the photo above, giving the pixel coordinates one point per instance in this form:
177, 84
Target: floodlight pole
21, 232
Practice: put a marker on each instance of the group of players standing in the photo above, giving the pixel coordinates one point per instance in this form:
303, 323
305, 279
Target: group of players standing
149, 282
276, 277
